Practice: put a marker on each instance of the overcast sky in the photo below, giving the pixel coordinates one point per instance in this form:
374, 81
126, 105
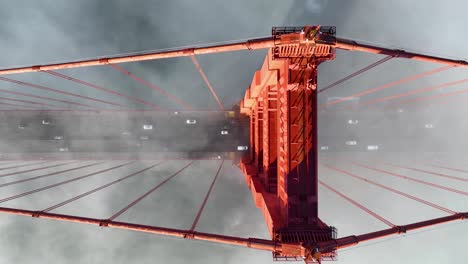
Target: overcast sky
34, 32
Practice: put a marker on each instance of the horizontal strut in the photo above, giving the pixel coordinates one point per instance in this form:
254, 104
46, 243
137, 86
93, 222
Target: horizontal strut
255, 243
348, 44
344, 242
251, 44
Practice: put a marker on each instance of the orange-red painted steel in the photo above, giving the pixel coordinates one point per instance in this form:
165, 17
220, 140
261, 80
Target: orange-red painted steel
114, 111
253, 44
353, 240
353, 45
254, 243
281, 168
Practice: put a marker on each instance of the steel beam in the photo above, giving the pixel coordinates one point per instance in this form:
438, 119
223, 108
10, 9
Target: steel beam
254, 243
353, 240
348, 44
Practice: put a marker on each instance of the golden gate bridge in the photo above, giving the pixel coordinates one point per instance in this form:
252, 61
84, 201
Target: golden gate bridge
277, 119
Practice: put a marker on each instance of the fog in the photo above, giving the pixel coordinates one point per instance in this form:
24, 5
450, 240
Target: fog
36, 32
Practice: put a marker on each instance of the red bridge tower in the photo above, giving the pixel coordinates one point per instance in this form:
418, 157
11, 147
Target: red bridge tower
281, 167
